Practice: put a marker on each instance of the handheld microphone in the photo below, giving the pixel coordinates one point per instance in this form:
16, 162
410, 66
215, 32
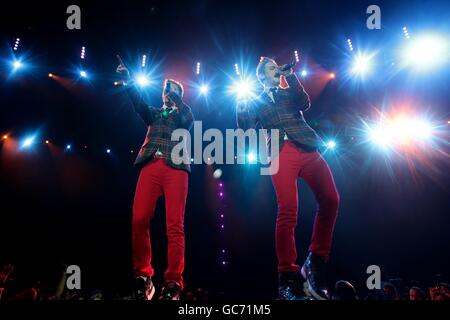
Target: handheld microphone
288, 66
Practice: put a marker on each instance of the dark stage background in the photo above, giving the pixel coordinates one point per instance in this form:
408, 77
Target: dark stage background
74, 207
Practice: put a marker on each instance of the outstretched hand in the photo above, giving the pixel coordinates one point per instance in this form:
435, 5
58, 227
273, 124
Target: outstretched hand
122, 70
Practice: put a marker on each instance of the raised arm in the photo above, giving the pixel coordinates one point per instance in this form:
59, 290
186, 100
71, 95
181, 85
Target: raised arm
186, 115
300, 96
146, 112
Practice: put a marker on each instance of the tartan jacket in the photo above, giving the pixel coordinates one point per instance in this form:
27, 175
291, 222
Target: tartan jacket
159, 129
286, 115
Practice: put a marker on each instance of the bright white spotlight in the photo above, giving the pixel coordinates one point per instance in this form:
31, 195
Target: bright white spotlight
16, 44
204, 89
68, 147
406, 33
362, 64
17, 64
426, 52
304, 73
380, 136
142, 80
251, 157
243, 89
331, 144
83, 74
108, 151
28, 142
423, 129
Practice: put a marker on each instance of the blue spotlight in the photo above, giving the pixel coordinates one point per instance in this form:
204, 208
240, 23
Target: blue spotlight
362, 64
83, 74
68, 147
243, 89
28, 142
204, 89
331, 144
251, 157
142, 80
16, 65
108, 151
304, 73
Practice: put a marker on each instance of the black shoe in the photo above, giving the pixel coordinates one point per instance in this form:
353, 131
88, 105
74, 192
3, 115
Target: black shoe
289, 287
313, 271
145, 290
170, 291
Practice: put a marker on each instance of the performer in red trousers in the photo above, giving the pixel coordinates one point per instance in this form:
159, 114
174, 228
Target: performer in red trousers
282, 109
160, 175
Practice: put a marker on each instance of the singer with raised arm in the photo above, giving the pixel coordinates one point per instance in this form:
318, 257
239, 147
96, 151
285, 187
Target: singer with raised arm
299, 157
159, 176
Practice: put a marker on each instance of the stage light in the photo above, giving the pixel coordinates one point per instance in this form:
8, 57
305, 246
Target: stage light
332, 75
243, 89
331, 144
197, 71
50, 75
379, 136
297, 59
236, 69
304, 73
68, 147
426, 52
5, 137
47, 142
362, 64
83, 74
108, 151
350, 45
251, 157
83, 52
144, 61
16, 44
142, 80
17, 64
217, 173
204, 89
406, 33
28, 142
422, 129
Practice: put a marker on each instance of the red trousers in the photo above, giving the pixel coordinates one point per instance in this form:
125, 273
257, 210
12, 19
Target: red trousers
156, 179
313, 169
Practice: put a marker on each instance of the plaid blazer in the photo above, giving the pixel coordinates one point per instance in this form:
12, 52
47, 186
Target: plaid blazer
160, 125
286, 115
